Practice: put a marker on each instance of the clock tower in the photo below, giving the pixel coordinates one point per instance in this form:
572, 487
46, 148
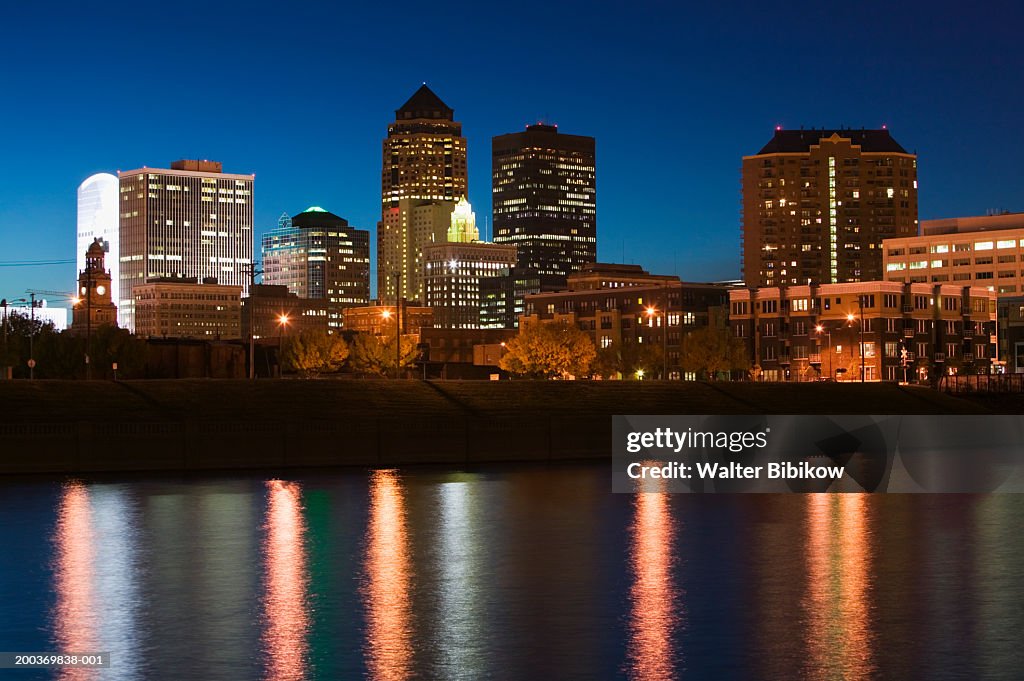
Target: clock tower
93, 306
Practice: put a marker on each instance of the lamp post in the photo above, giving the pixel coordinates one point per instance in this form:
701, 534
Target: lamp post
282, 320
860, 323
398, 322
819, 329
652, 312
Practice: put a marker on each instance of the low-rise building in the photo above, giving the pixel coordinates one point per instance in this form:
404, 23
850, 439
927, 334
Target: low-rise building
380, 319
183, 307
983, 251
888, 331
272, 312
624, 303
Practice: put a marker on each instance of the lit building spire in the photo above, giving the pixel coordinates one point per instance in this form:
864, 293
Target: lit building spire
463, 228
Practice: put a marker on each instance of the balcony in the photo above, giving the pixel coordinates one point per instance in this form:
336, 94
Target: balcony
814, 358
940, 357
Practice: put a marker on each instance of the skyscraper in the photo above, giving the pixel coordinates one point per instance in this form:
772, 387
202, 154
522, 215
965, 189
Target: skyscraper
423, 174
545, 198
191, 220
817, 204
97, 219
453, 269
317, 255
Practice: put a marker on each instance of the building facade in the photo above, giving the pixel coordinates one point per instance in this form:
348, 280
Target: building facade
818, 203
98, 219
424, 168
170, 307
379, 320
317, 255
894, 331
983, 251
271, 313
452, 273
93, 307
545, 198
623, 304
503, 296
191, 220
1010, 335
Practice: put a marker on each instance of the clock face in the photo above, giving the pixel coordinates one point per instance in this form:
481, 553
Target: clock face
100, 290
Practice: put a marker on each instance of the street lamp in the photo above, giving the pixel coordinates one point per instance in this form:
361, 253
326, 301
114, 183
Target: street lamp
652, 312
819, 329
282, 320
386, 314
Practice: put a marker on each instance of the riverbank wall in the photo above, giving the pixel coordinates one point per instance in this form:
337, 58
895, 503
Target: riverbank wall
78, 427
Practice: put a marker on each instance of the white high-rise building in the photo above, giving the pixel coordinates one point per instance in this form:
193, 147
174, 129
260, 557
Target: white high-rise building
98, 219
189, 220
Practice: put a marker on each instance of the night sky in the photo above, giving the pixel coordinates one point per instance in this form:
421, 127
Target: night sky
674, 94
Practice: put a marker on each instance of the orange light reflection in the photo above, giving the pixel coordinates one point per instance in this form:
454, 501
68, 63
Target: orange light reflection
285, 602
75, 625
389, 644
837, 606
654, 611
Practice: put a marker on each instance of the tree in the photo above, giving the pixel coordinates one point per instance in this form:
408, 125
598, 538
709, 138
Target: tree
709, 350
548, 351
376, 355
626, 358
314, 352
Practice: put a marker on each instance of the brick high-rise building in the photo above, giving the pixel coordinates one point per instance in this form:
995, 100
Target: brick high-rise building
191, 220
545, 198
423, 175
818, 203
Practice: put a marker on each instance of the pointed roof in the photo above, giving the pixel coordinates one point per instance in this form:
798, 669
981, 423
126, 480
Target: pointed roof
424, 104
799, 141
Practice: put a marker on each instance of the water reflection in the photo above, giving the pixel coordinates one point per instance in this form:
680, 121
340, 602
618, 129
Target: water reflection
387, 581
286, 618
461, 624
75, 615
837, 602
655, 606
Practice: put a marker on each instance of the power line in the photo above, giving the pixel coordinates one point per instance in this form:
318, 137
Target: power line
33, 263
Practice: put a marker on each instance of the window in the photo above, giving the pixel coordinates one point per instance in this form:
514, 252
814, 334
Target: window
983, 245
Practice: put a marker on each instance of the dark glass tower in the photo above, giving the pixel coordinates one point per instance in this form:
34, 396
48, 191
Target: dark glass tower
545, 198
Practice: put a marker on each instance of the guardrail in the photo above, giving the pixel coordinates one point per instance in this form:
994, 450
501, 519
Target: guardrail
982, 384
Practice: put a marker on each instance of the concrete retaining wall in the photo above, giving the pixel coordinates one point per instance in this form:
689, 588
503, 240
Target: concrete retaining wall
192, 445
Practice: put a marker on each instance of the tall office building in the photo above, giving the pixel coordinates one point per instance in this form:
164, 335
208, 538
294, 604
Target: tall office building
97, 219
423, 174
191, 220
317, 255
817, 204
453, 269
545, 198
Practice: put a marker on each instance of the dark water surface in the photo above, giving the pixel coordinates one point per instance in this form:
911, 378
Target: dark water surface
505, 573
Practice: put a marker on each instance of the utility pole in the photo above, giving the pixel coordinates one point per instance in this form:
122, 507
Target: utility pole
252, 271
398, 322
3, 303
860, 303
31, 338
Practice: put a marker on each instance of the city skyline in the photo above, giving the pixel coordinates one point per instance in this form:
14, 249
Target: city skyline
930, 91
